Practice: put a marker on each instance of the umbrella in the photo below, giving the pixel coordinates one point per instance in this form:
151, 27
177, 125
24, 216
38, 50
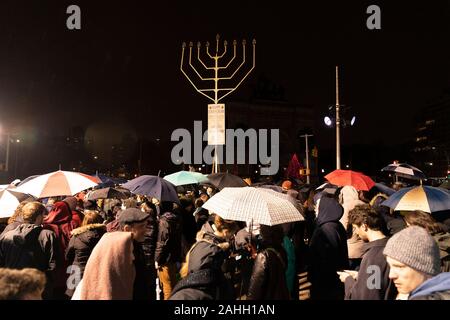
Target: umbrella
327, 188
106, 193
106, 181
186, 177
261, 206
226, 180
405, 170
271, 187
58, 183
425, 198
9, 200
350, 178
445, 185
153, 186
27, 179
384, 189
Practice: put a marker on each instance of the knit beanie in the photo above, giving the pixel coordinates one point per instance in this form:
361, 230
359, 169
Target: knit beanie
414, 247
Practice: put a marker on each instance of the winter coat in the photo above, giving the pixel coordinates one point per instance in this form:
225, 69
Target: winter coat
168, 245
61, 221
30, 246
17, 222
205, 279
328, 252
82, 243
149, 244
359, 289
350, 199
203, 284
144, 283
436, 288
268, 280
443, 241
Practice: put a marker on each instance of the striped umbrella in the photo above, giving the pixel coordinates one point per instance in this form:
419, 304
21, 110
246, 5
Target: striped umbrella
261, 206
9, 200
425, 198
58, 183
181, 178
405, 170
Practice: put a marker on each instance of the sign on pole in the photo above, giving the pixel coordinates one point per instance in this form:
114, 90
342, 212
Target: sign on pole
216, 124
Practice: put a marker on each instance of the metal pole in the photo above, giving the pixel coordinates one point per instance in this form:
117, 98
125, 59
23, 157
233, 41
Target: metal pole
216, 100
338, 122
307, 156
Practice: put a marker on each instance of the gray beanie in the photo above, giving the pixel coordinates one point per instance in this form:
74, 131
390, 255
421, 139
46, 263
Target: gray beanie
414, 247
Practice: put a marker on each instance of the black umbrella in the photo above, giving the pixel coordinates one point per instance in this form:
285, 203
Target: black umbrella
153, 186
226, 180
106, 193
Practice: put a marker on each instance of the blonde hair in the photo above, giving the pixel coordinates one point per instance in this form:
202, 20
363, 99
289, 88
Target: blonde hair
91, 217
32, 210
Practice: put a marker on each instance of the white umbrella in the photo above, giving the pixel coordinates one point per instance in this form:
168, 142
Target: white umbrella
9, 200
261, 206
58, 183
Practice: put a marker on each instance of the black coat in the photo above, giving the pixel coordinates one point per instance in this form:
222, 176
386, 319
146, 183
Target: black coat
30, 246
268, 281
149, 244
359, 289
328, 252
82, 243
168, 245
206, 284
145, 282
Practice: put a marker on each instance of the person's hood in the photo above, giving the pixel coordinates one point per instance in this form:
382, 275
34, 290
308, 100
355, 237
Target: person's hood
60, 214
348, 194
72, 202
83, 229
207, 233
26, 233
329, 210
439, 283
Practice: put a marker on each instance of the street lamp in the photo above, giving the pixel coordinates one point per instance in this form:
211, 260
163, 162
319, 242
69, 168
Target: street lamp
335, 118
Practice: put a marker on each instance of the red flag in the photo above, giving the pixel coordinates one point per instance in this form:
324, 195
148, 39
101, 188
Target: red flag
293, 168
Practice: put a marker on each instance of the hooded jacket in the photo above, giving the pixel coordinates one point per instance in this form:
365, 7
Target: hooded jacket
205, 279
82, 243
350, 199
328, 251
60, 221
436, 288
168, 245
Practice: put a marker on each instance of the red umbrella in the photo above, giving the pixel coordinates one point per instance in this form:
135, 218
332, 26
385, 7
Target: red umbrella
350, 178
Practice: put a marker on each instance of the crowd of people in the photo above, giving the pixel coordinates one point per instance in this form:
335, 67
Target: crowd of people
348, 246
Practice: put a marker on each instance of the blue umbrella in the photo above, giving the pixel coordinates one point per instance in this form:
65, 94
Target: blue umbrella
384, 189
153, 186
425, 198
108, 181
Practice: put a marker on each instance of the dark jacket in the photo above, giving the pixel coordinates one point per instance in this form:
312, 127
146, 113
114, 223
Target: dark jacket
206, 278
436, 288
328, 252
200, 285
30, 246
443, 241
168, 245
268, 281
145, 281
359, 289
82, 243
12, 225
151, 237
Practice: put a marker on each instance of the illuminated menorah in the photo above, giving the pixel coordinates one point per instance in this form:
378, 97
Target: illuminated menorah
216, 90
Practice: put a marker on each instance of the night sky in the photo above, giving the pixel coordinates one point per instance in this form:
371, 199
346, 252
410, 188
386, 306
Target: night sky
123, 65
